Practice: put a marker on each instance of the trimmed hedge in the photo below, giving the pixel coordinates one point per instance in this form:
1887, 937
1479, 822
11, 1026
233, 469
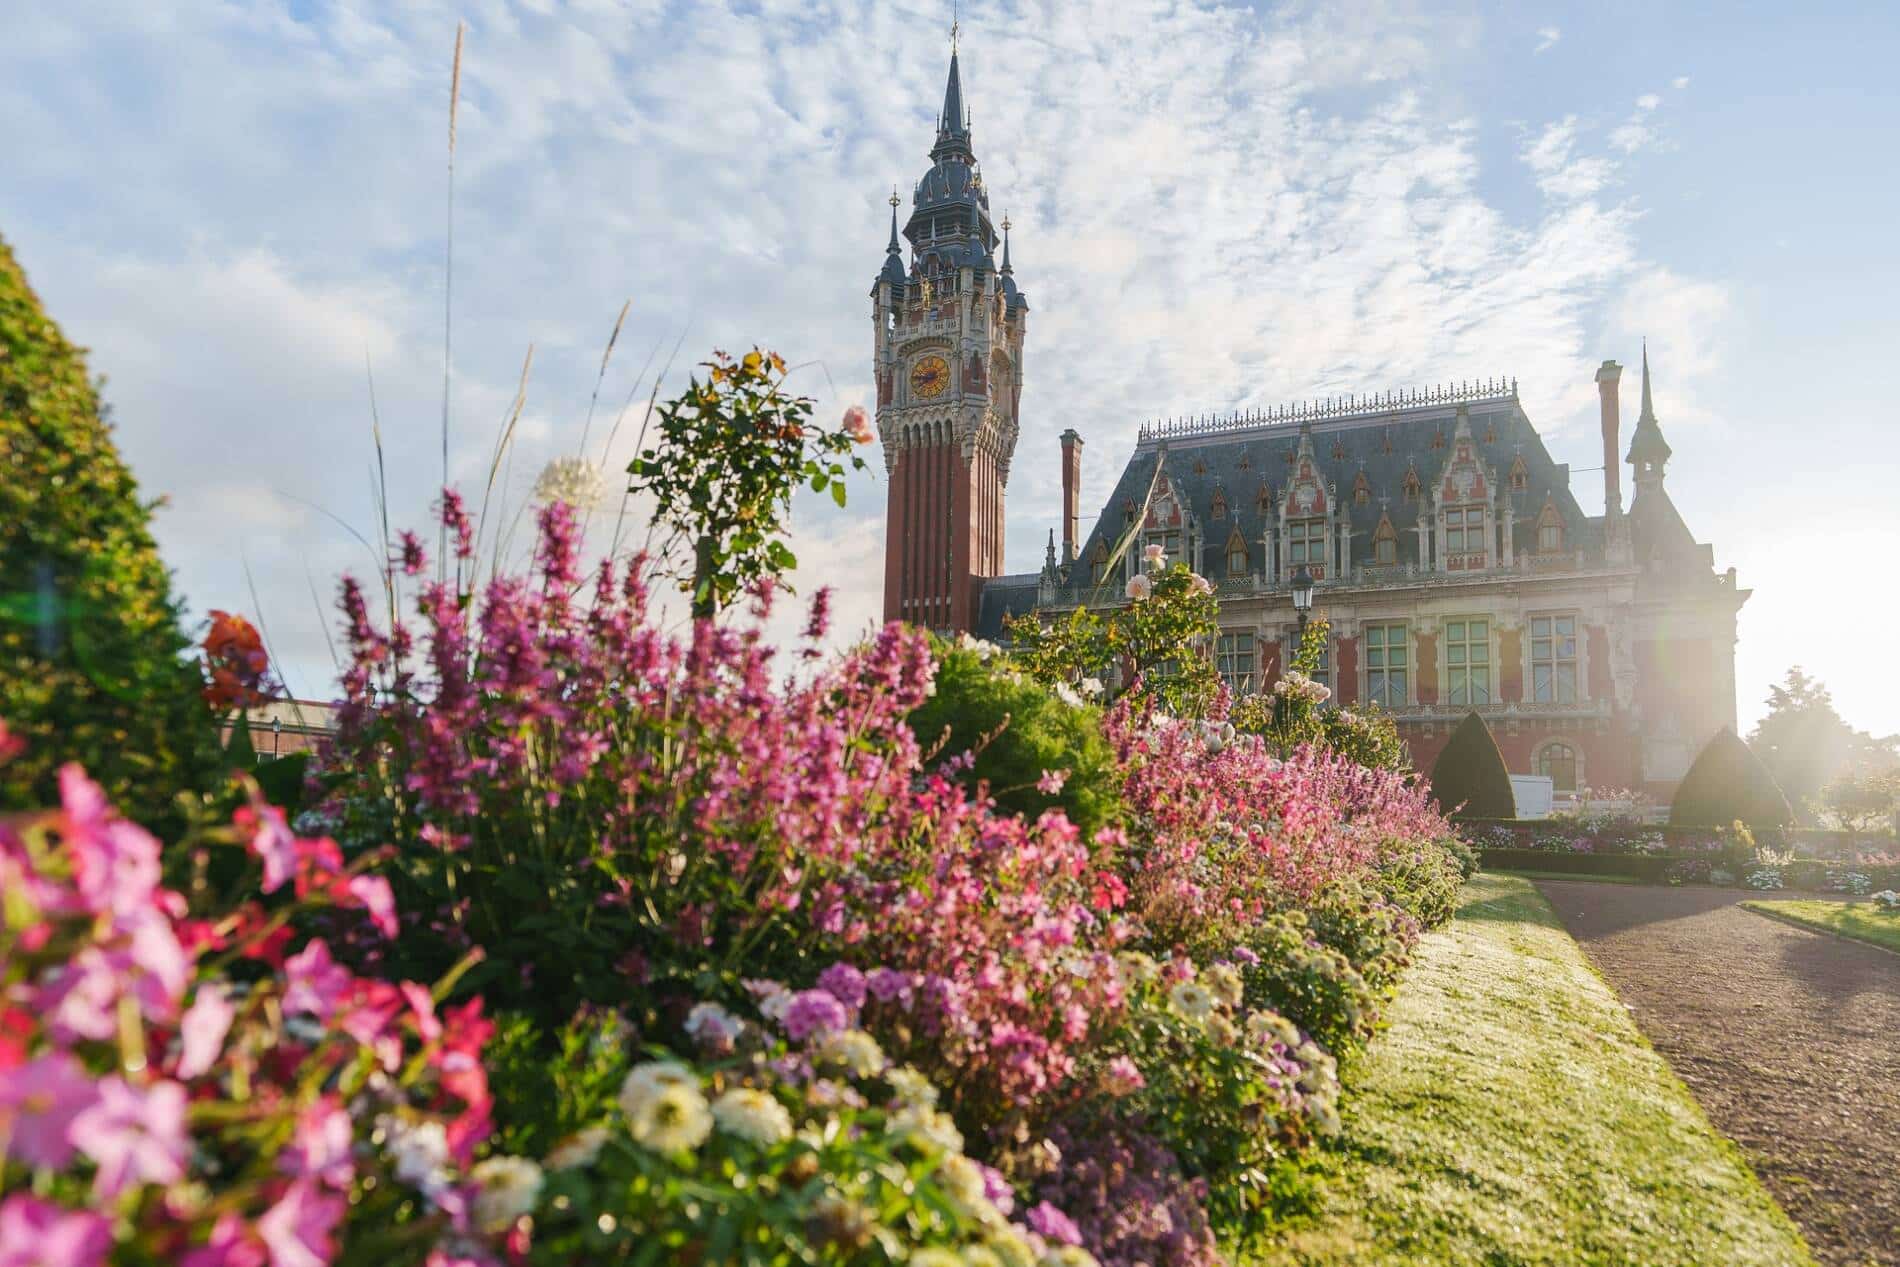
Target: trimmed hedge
91, 665
1728, 784
1469, 776
1645, 867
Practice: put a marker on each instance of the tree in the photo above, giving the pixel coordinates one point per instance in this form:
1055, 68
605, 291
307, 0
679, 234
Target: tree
90, 644
1728, 784
732, 451
1804, 743
1470, 773
1864, 798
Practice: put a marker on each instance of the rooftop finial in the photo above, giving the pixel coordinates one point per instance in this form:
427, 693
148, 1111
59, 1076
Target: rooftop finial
894, 248
1649, 410
1006, 267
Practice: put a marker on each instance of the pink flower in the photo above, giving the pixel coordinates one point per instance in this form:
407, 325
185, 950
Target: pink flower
36, 1233
297, 1229
1123, 1077
272, 841
1048, 1222
115, 863
814, 1012
231, 1245
320, 1147
1050, 784
857, 425
81, 999
38, 1101
134, 1134
314, 982
1139, 588
844, 983
201, 1032
373, 892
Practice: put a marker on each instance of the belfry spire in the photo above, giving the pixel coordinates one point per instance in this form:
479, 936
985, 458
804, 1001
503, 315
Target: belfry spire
1648, 450
953, 123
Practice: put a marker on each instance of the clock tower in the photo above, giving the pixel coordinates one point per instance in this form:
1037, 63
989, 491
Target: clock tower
948, 346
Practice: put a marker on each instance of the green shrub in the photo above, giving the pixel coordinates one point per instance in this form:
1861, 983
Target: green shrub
1728, 784
1469, 777
90, 645
1425, 881
1019, 729
1368, 737
1313, 985
1371, 932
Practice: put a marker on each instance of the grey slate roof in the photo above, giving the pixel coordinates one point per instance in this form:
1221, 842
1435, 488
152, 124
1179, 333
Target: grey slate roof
1198, 465
1005, 596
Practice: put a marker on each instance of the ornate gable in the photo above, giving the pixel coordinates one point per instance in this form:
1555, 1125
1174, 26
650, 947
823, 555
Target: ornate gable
1464, 477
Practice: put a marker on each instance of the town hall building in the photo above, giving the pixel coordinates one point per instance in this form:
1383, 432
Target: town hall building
1454, 565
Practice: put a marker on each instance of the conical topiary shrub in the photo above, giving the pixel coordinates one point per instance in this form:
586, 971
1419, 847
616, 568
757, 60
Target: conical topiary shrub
1729, 784
1470, 773
90, 644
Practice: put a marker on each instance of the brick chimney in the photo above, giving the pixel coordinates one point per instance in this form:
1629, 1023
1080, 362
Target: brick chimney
1071, 493
1607, 375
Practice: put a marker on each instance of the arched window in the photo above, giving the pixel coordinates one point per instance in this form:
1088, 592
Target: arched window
1218, 510
1520, 474
1098, 562
1558, 763
1361, 489
1236, 554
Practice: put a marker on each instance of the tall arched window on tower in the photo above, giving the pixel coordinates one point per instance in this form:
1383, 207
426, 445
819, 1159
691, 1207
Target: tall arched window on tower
1098, 562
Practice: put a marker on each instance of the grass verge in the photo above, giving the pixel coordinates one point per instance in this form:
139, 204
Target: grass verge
1512, 1114
1584, 876
1861, 921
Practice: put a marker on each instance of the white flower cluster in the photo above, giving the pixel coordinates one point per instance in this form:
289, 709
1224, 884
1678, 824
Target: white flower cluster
983, 647
506, 1189
575, 481
1296, 685
1887, 900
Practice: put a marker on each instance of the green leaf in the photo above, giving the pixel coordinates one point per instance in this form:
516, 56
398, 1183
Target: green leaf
837, 492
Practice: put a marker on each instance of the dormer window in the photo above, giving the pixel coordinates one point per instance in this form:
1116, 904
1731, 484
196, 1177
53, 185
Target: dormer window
1438, 439
1520, 475
1339, 451
1218, 510
1550, 529
1098, 563
1385, 543
1200, 466
1236, 554
1361, 489
1411, 484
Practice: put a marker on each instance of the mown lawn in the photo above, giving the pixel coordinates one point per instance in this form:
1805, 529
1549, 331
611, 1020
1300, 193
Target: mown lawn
1862, 921
1512, 1114
1586, 876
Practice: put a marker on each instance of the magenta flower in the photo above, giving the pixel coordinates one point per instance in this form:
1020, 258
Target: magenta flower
844, 983
231, 1245
1050, 784
135, 1134
81, 999
297, 1229
314, 982
814, 1012
273, 843
201, 1032
320, 1148
1048, 1222
38, 1101
373, 892
1124, 1077
115, 863
36, 1233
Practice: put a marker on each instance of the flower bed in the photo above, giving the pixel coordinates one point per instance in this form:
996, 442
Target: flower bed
1620, 837
748, 972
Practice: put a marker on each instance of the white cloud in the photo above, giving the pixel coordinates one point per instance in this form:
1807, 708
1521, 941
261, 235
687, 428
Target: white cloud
1213, 210
1680, 82
1547, 37
1648, 101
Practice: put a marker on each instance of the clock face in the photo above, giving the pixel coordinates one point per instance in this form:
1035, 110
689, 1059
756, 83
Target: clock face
929, 376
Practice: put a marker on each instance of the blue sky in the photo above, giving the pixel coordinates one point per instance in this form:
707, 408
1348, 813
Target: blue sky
239, 208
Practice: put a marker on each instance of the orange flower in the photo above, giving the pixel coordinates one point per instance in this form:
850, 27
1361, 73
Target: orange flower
236, 661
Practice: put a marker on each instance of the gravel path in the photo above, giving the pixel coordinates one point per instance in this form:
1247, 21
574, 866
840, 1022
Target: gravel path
1789, 1038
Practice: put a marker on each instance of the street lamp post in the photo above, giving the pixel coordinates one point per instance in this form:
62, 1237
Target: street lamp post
1302, 598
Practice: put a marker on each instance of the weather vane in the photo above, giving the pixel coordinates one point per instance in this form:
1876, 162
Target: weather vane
894, 198
953, 26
